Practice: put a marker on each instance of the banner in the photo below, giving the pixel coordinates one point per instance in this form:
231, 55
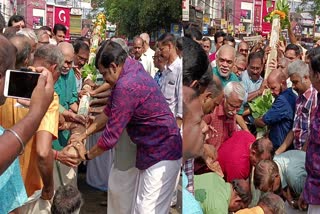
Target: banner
266, 27
75, 24
62, 16
50, 21
252, 38
185, 10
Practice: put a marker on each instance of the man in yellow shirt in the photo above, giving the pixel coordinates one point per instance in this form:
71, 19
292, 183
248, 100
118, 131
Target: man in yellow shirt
270, 203
37, 161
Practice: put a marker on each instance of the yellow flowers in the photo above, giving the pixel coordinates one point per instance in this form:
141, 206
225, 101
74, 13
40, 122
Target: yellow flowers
101, 20
281, 14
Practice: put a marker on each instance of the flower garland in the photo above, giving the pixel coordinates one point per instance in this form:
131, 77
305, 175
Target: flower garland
89, 70
282, 11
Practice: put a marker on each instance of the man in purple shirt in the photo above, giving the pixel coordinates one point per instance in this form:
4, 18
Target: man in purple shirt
311, 192
137, 104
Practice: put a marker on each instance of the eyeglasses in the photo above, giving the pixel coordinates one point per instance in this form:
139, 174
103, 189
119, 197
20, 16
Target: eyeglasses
82, 59
44, 43
221, 60
244, 50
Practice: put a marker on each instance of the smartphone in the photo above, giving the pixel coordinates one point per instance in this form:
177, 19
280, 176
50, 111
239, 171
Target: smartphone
20, 84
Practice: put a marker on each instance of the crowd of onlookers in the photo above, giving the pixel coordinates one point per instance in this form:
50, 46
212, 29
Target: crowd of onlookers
135, 106
233, 169
142, 102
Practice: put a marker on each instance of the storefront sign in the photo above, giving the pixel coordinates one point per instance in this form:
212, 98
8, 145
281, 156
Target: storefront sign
185, 10
62, 16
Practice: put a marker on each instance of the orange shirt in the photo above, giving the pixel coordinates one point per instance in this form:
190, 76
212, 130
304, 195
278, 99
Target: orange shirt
10, 114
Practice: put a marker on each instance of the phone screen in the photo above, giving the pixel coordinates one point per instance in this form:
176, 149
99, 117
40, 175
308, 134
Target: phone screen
21, 84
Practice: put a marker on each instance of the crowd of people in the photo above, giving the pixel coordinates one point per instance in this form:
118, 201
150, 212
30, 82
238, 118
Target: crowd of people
132, 133
159, 112
227, 166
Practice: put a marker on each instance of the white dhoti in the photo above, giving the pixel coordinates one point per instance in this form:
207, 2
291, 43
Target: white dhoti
123, 176
36, 205
313, 209
121, 190
154, 188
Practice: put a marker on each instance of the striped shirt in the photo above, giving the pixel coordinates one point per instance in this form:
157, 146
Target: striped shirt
305, 110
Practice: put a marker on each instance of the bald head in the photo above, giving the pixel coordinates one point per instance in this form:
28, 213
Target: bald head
66, 48
276, 76
138, 40
68, 53
227, 49
277, 82
261, 149
23, 46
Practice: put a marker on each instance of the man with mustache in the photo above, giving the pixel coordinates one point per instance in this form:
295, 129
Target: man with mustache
222, 120
225, 62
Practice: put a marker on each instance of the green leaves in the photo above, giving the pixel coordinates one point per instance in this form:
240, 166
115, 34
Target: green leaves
136, 16
89, 70
261, 105
282, 11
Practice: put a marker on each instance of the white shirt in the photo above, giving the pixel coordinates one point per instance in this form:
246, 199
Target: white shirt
171, 86
147, 62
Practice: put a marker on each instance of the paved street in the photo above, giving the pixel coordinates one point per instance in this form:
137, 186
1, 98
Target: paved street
93, 197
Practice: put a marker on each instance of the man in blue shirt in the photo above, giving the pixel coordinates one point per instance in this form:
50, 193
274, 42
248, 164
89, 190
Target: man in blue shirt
225, 62
280, 117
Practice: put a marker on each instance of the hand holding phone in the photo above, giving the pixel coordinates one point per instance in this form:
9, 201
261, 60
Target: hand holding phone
42, 95
20, 84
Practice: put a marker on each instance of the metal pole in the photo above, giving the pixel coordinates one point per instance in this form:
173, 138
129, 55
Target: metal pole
253, 17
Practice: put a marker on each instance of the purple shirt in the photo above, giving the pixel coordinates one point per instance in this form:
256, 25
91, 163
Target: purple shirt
137, 103
312, 185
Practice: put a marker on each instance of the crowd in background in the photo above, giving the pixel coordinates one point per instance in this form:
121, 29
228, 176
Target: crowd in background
232, 169
135, 106
155, 113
